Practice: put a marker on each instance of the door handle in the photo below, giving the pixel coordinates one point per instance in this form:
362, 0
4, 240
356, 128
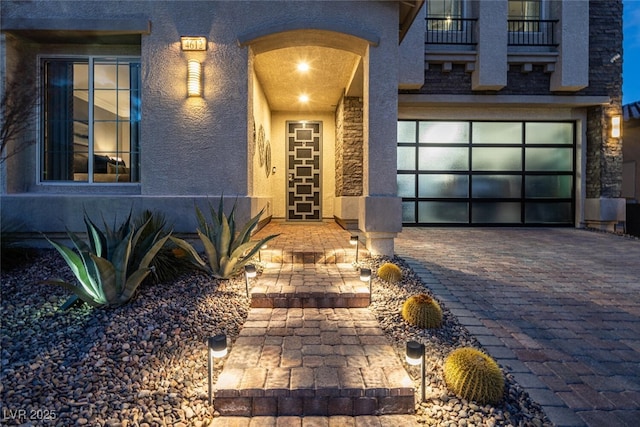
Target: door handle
291, 178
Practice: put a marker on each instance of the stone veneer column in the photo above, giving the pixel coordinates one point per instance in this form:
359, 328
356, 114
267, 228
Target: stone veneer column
604, 206
348, 161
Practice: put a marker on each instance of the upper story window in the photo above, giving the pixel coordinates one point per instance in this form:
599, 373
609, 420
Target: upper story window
527, 26
444, 15
525, 10
91, 120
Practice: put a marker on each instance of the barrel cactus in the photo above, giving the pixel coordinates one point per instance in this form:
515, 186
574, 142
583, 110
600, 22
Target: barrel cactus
472, 375
390, 272
422, 311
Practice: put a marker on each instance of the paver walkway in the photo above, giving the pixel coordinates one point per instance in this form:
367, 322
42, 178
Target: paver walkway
310, 353
559, 307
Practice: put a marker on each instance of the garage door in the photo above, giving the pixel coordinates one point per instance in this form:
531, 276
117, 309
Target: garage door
486, 173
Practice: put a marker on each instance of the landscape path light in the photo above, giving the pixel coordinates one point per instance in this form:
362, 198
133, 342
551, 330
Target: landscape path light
217, 348
249, 272
416, 356
355, 241
365, 276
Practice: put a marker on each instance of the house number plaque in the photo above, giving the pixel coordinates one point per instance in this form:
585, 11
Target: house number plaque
193, 43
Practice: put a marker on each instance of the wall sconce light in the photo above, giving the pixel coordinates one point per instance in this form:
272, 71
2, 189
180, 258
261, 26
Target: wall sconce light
355, 241
217, 348
365, 276
194, 78
416, 356
249, 272
616, 129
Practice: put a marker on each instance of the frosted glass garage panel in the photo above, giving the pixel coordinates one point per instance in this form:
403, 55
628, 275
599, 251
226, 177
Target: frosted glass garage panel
495, 213
406, 185
443, 186
548, 213
443, 212
408, 212
406, 158
559, 187
444, 132
443, 158
549, 133
496, 186
496, 159
497, 133
549, 159
406, 131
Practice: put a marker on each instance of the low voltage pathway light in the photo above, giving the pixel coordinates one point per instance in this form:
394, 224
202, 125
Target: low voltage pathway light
365, 276
249, 272
355, 241
217, 348
416, 356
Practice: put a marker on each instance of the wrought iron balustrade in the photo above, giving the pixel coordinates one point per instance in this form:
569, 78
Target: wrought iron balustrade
532, 32
451, 31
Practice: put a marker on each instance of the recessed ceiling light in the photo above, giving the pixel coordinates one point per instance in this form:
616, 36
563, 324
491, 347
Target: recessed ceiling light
303, 98
303, 67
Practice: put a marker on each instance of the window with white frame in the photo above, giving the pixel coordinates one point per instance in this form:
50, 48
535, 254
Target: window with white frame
91, 120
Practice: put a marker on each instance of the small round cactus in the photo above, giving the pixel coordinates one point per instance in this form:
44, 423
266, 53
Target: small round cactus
472, 375
390, 272
422, 311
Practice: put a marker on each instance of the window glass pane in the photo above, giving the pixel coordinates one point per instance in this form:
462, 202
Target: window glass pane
123, 76
406, 131
502, 212
443, 158
406, 185
548, 213
524, 9
105, 104
406, 158
548, 186
444, 132
443, 186
443, 212
444, 8
81, 76
497, 133
105, 76
549, 133
496, 159
408, 212
496, 186
549, 159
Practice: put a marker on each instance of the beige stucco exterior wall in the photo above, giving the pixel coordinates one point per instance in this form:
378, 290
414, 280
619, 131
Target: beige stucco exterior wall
194, 149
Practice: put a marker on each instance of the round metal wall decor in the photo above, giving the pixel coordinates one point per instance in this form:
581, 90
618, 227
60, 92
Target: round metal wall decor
267, 158
261, 145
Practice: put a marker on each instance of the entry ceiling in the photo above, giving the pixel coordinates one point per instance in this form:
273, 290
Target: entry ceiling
331, 73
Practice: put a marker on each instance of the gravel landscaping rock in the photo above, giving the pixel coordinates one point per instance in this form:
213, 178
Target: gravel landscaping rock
144, 364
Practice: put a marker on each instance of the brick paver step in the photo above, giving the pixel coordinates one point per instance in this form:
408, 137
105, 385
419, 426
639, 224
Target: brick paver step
312, 361
310, 286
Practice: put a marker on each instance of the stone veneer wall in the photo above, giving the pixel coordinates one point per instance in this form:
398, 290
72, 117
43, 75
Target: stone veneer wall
604, 154
349, 147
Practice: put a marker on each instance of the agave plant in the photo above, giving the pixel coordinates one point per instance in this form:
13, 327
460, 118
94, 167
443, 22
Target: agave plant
102, 268
227, 250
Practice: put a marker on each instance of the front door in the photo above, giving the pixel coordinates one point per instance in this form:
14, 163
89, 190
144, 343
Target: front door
304, 196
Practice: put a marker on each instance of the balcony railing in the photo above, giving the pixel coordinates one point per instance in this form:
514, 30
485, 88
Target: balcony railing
451, 31
527, 32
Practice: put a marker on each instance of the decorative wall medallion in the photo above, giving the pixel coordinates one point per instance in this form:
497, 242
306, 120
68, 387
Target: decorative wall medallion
267, 158
261, 145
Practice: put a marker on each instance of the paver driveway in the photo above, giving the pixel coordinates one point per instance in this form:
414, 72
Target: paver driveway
560, 308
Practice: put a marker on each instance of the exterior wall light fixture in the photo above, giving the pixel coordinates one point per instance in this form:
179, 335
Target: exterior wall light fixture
194, 78
415, 356
249, 272
616, 127
217, 348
